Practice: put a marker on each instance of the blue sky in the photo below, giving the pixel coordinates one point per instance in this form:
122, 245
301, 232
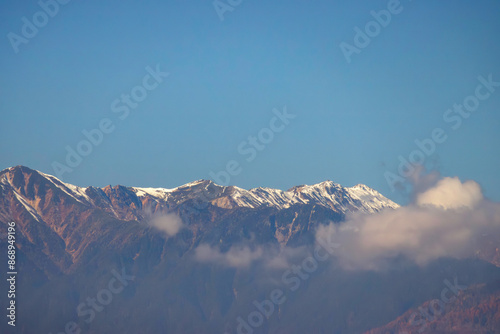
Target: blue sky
353, 120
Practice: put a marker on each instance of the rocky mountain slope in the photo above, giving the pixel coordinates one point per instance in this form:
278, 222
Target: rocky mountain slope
59, 217
70, 240
475, 310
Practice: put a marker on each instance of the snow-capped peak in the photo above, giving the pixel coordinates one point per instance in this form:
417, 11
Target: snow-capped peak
327, 193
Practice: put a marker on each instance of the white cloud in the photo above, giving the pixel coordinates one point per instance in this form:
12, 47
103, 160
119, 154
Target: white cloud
451, 193
236, 257
170, 223
242, 256
446, 221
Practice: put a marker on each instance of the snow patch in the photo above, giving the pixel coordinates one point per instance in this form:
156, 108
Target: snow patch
28, 207
76, 192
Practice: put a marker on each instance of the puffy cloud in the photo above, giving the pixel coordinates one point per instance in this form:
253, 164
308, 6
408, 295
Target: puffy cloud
283, 258
451, 193
445, 221
169, 223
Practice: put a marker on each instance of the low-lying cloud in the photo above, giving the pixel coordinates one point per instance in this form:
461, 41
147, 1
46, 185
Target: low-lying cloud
242, 256
235, 257
169, 223
446, 220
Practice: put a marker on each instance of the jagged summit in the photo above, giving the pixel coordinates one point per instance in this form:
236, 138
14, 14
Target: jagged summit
327, 193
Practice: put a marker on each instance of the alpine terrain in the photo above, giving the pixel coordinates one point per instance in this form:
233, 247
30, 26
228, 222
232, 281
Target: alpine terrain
205, 258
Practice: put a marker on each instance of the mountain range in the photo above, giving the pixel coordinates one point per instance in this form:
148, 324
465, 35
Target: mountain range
205, 257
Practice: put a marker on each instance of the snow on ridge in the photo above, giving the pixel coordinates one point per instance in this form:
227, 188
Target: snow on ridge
74, 191
194, 183
78, 193
327, 193
276, 197
360, 197
371, 199
28, 207
155, 192
165, 192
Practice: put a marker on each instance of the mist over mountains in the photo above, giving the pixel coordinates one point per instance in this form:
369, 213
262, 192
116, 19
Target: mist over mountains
204, 258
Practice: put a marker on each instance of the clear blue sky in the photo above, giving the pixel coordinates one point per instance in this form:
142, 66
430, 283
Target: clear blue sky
352, 121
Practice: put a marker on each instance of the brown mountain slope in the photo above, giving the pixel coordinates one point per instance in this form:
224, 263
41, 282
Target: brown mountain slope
70, 239
474, 310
